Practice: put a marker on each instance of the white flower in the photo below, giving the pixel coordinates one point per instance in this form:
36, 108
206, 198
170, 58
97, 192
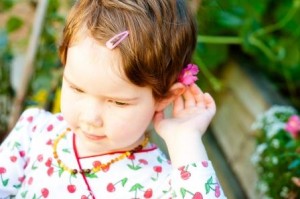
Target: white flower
275, 143
273, 129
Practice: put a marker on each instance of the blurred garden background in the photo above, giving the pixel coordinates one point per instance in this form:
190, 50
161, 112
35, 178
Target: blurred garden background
249, 57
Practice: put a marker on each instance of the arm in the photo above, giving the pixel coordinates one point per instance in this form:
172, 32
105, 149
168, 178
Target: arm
192, 113
193, 174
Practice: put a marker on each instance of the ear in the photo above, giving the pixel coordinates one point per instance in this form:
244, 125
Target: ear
175, 91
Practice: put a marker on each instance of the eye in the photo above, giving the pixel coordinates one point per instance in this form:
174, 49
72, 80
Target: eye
119, 103
77, 90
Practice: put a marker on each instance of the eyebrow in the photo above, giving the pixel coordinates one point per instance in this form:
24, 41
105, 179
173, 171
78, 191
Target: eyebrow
115, 98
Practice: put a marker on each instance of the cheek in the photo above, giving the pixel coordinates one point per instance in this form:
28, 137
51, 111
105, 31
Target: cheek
67, 107
133, 123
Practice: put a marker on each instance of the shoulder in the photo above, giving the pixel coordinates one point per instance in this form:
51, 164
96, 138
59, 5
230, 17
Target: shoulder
38, 120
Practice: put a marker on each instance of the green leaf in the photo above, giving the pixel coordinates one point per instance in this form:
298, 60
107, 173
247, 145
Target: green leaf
5, 182
136, 187
6, 5
13, 23
182, 192
91, 175
123, 181
23, 194
159, 159
66, 150
294, 164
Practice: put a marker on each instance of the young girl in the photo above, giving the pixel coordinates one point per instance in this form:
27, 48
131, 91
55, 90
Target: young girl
125, 62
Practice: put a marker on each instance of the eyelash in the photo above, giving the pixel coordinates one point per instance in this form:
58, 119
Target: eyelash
76, 89
118, 103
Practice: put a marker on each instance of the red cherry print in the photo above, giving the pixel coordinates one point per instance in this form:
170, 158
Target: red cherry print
50, 171
157, 169
49, 142
30, 180
49, 162
22, 153
60, 117
131, 157
181, 168
29, 119
143, 161
71, 188
13, 158
45, 192
21, 179
148, 193
84, 197
40, 158
50, 127
110, 187
197, 195
205, 163
217, 191
185, 175
2, 170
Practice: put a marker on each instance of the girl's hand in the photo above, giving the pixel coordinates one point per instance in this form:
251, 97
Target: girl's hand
182, 131
192, 113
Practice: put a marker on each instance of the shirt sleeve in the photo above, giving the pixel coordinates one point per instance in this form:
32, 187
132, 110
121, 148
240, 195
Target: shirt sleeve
197, 180
13, 153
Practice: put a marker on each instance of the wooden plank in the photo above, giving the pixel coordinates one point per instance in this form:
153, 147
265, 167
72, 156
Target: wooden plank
238, 105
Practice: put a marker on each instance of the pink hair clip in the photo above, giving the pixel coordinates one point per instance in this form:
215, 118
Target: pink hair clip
189, 74
115, 40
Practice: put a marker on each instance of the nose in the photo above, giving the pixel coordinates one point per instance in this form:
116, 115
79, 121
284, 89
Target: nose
92, 113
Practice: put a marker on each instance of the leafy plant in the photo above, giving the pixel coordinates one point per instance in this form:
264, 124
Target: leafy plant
266, 32
277, 154
6, 56
47, 65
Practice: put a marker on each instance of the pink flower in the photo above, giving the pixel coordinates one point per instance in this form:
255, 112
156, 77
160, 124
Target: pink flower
189, 74
293, 125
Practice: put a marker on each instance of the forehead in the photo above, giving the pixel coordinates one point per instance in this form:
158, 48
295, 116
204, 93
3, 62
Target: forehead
97, 69
88, 55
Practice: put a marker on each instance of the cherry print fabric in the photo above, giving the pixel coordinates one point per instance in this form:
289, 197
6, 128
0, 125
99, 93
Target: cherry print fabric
29, 170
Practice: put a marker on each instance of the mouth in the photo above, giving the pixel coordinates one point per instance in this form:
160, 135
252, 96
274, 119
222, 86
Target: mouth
92, 136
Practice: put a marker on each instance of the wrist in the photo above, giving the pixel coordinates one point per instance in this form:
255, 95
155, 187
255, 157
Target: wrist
187, 149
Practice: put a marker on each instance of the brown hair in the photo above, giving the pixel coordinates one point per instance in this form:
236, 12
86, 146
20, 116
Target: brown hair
161, 39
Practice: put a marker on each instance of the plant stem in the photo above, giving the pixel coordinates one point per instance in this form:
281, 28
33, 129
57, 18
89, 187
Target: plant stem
219, 39
280, 24
216, 84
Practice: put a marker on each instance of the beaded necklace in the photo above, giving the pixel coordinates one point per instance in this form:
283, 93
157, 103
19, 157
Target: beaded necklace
97, 168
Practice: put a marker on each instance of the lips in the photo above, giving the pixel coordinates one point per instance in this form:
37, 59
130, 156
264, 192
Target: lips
94, 137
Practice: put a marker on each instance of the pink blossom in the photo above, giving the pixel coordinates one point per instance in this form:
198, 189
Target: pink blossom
293, 125
189, 74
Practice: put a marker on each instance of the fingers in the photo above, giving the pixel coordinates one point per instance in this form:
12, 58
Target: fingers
193, 96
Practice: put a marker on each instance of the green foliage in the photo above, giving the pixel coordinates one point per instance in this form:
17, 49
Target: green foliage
6, 57
13, 24
266, 32
47, 64
6, 4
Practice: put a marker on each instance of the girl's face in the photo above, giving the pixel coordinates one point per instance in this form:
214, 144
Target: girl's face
102, 107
